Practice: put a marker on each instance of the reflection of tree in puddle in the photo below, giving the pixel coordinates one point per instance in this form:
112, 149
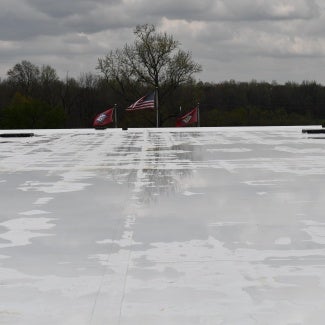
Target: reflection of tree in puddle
127, 146
159, 182
157, 163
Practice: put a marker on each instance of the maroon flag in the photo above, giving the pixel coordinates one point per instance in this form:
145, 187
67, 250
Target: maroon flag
189, 118
103, 119
144, 102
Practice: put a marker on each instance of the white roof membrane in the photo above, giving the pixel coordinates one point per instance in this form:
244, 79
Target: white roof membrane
162, 226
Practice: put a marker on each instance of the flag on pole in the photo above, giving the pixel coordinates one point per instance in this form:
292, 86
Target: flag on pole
103, 119
144, 102
189, 118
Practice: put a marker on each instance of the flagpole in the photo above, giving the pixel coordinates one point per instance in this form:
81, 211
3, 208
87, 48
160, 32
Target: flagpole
157, 107
198, 114
115, 115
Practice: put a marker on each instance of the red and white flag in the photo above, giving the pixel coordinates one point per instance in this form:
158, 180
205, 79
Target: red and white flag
104, 118
189, 118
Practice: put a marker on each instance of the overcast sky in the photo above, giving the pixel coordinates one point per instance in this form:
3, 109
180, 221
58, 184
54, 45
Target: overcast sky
270, 40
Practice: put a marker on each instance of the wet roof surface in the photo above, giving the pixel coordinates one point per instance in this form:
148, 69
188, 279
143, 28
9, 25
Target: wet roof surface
162, 226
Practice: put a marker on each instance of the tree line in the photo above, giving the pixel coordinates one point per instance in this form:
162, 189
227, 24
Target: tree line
33, 96
40, 99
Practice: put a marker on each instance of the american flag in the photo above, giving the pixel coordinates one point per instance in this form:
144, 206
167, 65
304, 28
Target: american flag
144, 102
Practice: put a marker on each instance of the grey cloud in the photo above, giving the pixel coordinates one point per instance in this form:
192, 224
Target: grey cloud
48, 17
99, 20
13, 28
229, 10
271, 10
19, 21
58, 17
224, 36
63, 8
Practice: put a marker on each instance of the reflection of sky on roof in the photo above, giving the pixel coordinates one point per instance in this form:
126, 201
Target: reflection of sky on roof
115, 226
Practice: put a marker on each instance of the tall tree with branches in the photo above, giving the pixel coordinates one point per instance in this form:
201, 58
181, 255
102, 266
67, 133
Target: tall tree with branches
25, 75
154, 60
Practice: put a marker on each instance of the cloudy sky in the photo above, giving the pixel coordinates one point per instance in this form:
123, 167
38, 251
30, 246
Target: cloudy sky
270, 40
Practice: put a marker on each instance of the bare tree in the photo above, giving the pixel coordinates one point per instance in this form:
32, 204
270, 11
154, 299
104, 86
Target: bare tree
48, 75
25, 75
154, 60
